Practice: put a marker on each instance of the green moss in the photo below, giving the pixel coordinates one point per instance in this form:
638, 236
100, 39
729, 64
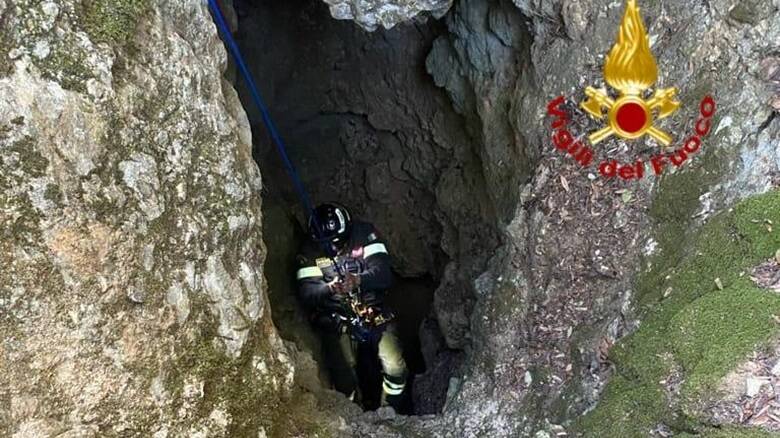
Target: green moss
30, 160
700, 329
626, 409
676, 202
758, 220
718, 330
20, 223
6, 43
112, 21
731, 432
52, 193
751, 11
233, 385
66, 64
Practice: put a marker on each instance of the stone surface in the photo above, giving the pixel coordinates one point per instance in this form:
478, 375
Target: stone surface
541, 303
370, 14
366, 126
132, 294
753, 386
560, 291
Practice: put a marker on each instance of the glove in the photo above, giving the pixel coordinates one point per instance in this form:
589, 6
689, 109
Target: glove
334, 302
329, 323
350, 283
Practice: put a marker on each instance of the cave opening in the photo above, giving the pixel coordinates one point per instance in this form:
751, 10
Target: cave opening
342, 98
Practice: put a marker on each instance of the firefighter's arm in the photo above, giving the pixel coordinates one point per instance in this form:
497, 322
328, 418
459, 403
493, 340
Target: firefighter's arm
313, 290
377, 275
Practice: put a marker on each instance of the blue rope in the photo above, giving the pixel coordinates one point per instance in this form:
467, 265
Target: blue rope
269, 123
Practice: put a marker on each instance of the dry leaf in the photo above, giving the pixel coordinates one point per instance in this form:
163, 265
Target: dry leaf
777, 256
565, 183
603, 350
719, 283
762, 411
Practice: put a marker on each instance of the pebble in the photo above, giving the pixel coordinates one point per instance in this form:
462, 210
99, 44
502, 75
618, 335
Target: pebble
41, 49
620, 220
753, 386
385, 413
136, 295
776, 369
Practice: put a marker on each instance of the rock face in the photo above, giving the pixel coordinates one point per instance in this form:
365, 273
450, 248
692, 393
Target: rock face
372, 14
565, 285
565, 288
367, 127
133, 299
132, 295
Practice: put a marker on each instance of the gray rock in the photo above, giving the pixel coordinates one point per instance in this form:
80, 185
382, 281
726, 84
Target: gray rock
123, 156
753, 386
372, 14
126, 162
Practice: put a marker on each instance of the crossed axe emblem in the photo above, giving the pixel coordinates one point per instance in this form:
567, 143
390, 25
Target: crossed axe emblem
630, 116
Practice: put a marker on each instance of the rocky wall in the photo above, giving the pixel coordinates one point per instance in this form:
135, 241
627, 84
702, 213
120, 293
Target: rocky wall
567, 287
132, 293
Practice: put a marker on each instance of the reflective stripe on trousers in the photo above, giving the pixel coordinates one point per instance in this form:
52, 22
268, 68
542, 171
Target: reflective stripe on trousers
393, 365
392, 388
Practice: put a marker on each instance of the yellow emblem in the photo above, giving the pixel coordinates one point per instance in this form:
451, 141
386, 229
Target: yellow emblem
631, 69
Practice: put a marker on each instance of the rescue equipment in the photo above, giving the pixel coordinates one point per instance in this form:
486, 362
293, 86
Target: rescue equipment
362, 322
269, 123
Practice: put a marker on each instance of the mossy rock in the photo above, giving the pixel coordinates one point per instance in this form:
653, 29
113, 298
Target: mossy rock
112, 21
751, 11
713, 317
731, 432
6, 65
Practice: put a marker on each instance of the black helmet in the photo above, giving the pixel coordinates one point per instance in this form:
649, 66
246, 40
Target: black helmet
334, 222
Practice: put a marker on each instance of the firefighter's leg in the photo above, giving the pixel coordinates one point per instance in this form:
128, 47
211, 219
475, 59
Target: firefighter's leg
393, 367
341, 360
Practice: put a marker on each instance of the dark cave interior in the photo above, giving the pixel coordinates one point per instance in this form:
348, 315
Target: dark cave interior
340, 97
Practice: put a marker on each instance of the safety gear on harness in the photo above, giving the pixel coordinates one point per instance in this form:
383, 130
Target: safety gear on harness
361, 268
335, 225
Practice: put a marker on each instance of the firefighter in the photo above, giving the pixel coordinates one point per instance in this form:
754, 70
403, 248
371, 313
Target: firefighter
328, 292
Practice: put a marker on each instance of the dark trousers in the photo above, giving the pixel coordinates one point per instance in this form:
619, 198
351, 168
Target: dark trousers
340, 353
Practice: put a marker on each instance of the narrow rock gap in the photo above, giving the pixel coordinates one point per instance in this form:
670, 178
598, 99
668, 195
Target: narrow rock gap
410, 299
360, 116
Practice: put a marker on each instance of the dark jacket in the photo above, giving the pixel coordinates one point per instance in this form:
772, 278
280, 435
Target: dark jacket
365, 254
